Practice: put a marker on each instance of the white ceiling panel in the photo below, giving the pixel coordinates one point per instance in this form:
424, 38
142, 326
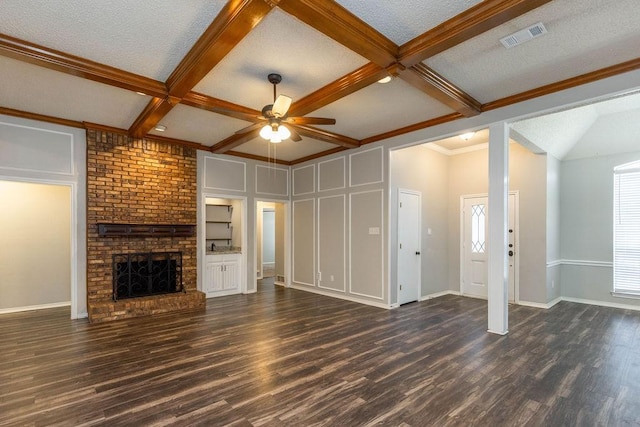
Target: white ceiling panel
404, 20
380, 108
146, 37
197, 125
286, 150
39, 90
583, 35
306, 59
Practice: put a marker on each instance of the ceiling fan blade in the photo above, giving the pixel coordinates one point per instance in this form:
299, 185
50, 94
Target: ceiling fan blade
250, 128
295, 136
311, 121
281, 106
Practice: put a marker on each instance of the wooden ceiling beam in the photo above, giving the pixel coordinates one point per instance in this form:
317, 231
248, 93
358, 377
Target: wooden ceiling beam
317, 155
412, 128
436, 86
468, 24
257, 157
41, 117
233, 23
219, 106
344, 86
151, 116
74, 65
338, 23
326, 136
233, 141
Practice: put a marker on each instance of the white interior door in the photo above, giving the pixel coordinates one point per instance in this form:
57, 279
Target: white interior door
474, 246
408, 246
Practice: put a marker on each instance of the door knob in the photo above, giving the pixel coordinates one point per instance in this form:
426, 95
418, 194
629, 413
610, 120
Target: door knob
417, 253
510, 253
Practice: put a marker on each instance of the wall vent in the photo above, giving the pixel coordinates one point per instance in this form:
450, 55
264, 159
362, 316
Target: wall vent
519, 37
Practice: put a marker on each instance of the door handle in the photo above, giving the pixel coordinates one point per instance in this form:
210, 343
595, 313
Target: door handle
417, 252
510, 253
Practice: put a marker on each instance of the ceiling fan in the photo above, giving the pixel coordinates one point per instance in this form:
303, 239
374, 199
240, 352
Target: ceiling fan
274, 118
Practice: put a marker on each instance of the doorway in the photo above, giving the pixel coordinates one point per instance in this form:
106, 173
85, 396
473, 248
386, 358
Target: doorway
473, 245
271, 248
409, 255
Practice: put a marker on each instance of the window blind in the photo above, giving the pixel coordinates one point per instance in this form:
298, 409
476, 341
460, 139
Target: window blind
626, 229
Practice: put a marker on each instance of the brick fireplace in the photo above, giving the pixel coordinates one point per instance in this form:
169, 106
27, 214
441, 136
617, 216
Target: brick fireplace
138, 181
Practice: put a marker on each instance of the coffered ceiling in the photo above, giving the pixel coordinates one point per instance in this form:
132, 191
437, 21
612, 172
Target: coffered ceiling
202, 65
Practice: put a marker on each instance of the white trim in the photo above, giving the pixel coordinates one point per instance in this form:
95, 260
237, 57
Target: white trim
344, 243
341, 296
293, 178
627, 295
293, 242
602, 303
539, 304
580, 262
381, 167
344, 173
286, 170
286, 242
382, 252
35, 307
439, 294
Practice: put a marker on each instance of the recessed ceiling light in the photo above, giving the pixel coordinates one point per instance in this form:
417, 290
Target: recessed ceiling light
385, 79
141, 93
160, 128
467, 136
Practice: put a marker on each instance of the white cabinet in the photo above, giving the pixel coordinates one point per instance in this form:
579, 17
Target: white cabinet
222, 274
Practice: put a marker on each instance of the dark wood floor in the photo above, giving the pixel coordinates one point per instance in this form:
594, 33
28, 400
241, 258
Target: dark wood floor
288, 358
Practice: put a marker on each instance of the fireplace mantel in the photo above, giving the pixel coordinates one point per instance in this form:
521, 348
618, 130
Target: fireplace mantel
146, 230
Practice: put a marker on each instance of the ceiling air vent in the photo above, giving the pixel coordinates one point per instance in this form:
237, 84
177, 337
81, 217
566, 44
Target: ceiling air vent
536, 30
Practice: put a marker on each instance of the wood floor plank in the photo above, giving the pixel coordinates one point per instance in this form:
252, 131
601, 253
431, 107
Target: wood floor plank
283, 357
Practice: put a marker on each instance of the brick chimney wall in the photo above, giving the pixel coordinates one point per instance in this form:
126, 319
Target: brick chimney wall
138, 181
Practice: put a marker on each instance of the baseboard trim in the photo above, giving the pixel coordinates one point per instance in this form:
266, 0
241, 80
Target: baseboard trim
602, 303
35, 307
545, 306
439, 294
343, 297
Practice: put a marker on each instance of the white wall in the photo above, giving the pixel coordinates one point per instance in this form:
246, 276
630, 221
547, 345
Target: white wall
44, 153
553, 228
268, 236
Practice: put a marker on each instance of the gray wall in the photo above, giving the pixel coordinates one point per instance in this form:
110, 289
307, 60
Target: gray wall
553, 228
339, 226
586, 222
420, 169
443, 180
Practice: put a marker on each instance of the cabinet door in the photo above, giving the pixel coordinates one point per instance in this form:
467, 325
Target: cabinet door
215, 276
231, 271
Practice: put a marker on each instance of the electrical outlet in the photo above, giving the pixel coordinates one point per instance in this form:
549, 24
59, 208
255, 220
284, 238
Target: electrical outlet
553, 284
331, 278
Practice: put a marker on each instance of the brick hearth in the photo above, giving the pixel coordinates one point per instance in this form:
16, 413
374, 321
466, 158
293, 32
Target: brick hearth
141, 182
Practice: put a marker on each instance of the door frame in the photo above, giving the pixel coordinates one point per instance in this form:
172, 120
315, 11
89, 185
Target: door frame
516, 214
419, 194
287, 245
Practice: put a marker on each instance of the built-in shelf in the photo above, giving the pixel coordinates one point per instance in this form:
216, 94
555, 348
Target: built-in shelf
146, 230
218, 224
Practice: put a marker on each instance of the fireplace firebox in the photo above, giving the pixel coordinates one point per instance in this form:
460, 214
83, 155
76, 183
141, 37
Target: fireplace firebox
144, 274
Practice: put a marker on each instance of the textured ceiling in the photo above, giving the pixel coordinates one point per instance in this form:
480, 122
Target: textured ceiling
330, 55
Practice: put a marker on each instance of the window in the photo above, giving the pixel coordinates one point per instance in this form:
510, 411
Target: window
477, 229
626, 228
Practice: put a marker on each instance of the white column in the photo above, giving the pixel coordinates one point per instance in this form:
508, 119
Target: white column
498, 280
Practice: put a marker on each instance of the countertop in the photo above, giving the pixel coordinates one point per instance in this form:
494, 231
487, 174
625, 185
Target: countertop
224, 250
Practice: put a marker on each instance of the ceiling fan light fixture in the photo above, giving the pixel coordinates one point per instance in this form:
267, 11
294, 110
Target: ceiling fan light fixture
283, 132
266, 132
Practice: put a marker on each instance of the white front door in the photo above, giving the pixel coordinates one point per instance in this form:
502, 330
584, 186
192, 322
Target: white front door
474, 246
408, 246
